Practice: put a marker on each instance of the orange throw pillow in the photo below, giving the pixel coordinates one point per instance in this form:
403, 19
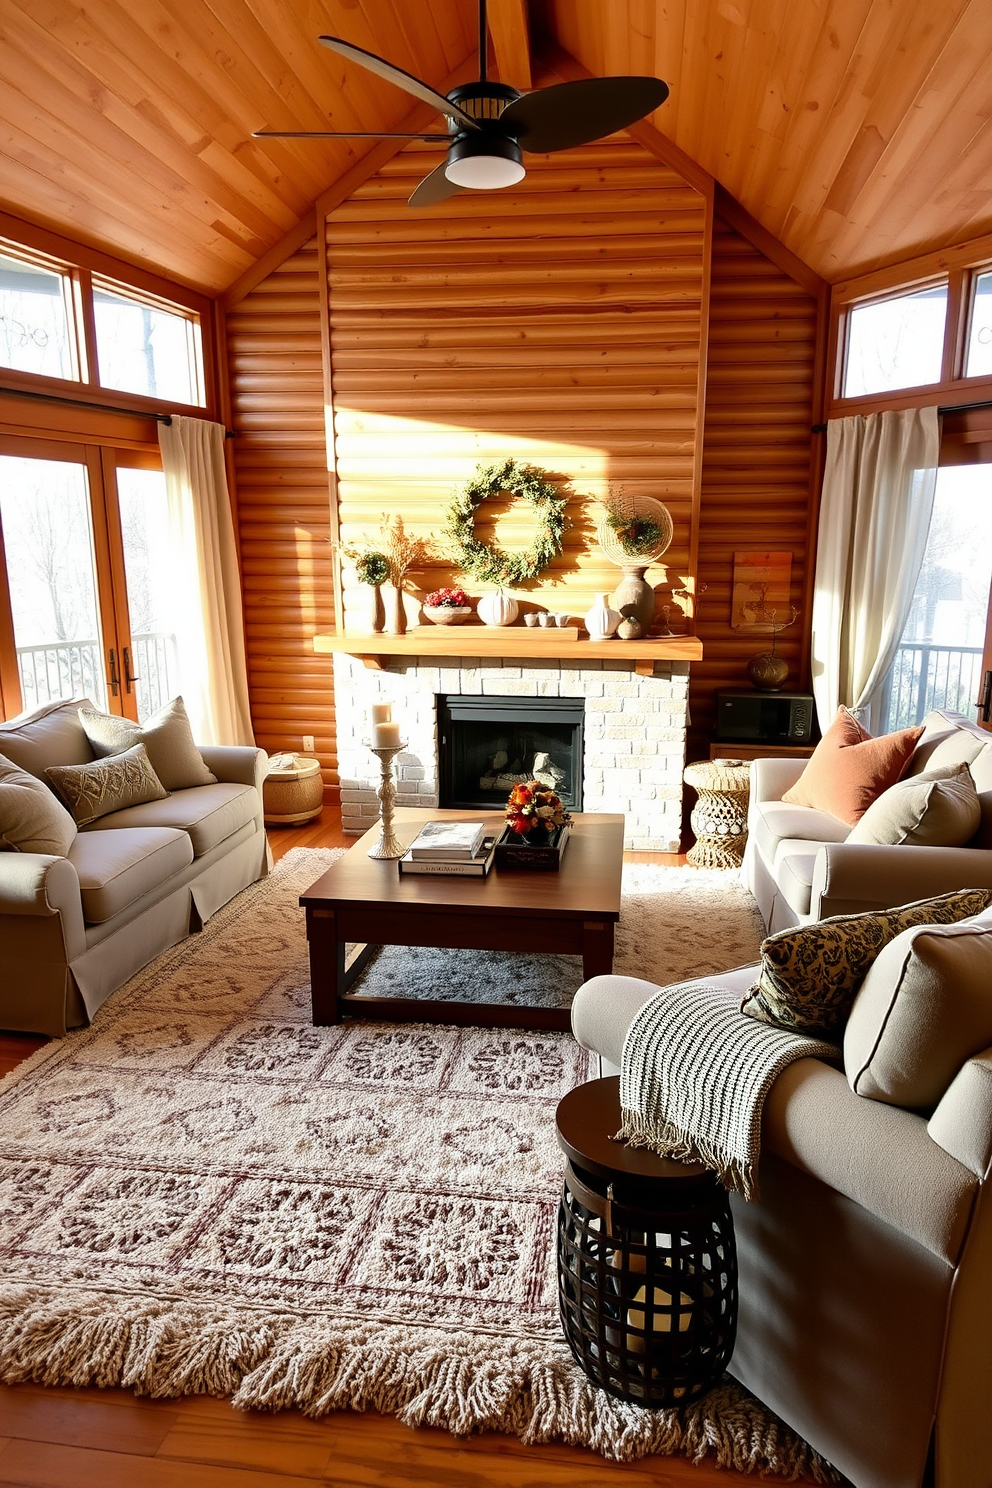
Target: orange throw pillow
848, 768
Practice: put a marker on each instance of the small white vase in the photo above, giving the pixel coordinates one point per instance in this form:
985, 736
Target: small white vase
601, 621
498, 608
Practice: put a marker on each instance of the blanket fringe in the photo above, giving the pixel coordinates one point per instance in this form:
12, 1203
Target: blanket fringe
669, 1140
462, 1382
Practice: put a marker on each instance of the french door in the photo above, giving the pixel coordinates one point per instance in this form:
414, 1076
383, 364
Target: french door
84, 591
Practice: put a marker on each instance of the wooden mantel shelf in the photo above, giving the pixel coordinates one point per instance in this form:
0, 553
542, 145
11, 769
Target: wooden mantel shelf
562, 645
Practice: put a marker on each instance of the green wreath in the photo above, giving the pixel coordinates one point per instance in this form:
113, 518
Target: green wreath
489, 564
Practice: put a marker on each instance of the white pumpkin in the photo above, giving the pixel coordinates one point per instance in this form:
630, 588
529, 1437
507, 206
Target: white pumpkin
498, 608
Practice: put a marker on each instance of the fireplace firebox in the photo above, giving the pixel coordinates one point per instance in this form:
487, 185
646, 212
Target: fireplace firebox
487, 744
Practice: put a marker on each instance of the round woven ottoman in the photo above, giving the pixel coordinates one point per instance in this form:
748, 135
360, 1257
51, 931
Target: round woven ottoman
294, 793
719, 817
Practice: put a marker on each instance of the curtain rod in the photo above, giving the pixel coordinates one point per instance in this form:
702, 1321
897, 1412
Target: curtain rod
942, 409
161, 418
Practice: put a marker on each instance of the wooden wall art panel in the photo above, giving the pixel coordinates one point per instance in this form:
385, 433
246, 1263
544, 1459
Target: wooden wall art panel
275, 366
756, 461
558, 324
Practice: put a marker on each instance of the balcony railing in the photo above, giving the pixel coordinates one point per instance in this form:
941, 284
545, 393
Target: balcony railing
68, 669
925, 676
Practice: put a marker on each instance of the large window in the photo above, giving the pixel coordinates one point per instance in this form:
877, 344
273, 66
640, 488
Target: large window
940, 662
59, 321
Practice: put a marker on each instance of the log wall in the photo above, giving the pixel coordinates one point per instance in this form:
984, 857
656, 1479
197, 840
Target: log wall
276, 380
756, 476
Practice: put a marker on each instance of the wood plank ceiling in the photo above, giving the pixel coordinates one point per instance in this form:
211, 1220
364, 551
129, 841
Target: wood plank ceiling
859, 132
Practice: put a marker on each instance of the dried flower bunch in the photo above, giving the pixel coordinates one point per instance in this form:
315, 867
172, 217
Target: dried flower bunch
532, 807
637, 534
391, 557
447, 599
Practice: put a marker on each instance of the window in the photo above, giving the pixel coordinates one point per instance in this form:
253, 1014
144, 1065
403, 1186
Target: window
979, 358
143, 348
896, 342
35, 334
939, 663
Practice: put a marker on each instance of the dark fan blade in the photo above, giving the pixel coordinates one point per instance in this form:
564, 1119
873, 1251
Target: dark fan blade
396, 75
433, 188
577, 113
341, 134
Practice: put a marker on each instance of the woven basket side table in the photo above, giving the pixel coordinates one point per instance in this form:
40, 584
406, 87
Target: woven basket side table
719, 817
294, 794
647, 1261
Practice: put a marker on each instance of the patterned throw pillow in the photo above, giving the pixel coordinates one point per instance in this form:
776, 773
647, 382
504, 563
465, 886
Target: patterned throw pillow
95, 790
166, 735
810, 975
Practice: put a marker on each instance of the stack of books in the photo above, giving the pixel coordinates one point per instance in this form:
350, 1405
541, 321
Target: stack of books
463, 848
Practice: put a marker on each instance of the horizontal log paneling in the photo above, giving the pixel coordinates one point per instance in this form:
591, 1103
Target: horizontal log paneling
756, 461
276, 373
558, 324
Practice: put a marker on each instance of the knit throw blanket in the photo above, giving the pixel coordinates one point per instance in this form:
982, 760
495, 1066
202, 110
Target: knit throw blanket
694, 1078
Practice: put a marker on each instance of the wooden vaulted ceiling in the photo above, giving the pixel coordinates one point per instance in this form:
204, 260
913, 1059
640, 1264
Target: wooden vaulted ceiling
858, 132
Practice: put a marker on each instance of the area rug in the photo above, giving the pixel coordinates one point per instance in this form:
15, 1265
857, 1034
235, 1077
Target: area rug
202, 1193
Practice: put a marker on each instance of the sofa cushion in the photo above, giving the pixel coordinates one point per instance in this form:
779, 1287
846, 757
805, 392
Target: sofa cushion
794, 864
51, 735
166, 735
924, 1008
32, 818
980, 769
772, 822
116, 868
809, 975
209, 814
848, 768
936, 809
94, 790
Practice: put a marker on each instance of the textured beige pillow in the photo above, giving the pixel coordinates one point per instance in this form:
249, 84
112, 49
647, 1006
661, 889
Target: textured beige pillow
924, 1008
32, 819
166, 735
106, 785
809, 975
939, 808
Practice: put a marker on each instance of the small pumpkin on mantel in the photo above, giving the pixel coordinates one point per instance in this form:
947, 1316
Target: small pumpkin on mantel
498, 608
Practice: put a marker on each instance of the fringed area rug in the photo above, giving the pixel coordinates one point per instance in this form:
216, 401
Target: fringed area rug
202, 1193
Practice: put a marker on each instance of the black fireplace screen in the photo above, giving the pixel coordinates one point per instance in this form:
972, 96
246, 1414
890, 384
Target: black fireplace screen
487, 744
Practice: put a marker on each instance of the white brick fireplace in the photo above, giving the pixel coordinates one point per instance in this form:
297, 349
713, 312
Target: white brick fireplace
634, 731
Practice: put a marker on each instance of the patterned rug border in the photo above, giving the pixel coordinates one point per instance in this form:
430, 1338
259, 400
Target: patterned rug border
269, 1359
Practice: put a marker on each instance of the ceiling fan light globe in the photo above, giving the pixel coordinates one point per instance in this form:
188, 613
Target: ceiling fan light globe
484, 163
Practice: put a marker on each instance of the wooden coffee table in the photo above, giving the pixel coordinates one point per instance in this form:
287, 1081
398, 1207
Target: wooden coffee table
366, 902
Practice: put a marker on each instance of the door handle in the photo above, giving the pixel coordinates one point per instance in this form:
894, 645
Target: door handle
115, 681
984, 704
129, 677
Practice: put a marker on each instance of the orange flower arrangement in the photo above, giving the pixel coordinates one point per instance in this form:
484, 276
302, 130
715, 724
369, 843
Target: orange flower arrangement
533, 808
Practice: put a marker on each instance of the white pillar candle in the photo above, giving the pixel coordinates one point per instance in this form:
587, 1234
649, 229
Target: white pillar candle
386, 735
382, 712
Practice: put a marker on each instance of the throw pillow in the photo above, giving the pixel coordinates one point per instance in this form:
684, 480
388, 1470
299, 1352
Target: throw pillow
166, 735
939, 808
32, 819
924, 1008
106, 785
809, 975
848, 768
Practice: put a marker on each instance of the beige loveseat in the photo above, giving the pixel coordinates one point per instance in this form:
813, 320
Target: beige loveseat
75, 926
865, 1264
800, 867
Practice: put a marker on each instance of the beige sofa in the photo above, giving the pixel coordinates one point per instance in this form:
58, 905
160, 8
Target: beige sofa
865, 1265
799, 866
73, 928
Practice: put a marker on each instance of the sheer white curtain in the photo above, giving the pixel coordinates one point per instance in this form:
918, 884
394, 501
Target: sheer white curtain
207, 593
875, 513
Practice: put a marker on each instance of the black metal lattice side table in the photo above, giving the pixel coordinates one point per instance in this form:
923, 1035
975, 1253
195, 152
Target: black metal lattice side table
647, 1264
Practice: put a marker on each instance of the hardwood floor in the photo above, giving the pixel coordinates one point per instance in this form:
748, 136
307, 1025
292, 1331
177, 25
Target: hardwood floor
92, 1438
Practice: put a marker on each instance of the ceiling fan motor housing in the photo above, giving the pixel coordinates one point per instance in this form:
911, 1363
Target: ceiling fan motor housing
482, 101
486, 158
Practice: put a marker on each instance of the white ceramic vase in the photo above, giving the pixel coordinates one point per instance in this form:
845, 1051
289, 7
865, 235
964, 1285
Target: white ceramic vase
601, 621
498, 608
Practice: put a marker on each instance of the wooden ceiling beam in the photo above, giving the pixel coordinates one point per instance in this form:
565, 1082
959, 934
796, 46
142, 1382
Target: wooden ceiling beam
510, 34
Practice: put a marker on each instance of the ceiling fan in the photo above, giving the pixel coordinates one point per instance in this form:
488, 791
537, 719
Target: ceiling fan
490, 125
